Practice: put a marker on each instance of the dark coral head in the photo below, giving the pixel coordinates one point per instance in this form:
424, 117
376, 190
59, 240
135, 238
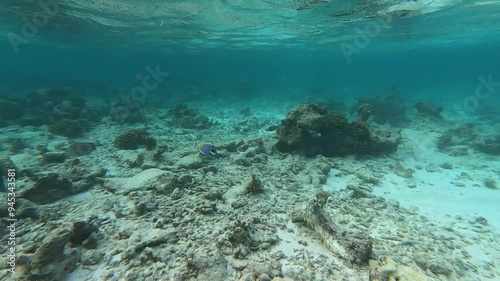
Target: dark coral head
133, 139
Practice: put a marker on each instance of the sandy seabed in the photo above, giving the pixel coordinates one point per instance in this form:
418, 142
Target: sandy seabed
181, 216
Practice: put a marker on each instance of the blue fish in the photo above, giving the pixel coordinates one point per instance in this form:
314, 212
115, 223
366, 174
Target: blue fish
207, 149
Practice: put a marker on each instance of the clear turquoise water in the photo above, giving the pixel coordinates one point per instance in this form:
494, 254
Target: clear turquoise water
273, 46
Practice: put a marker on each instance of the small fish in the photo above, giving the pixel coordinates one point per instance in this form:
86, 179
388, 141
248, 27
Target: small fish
81, 148
207, 149
272, 128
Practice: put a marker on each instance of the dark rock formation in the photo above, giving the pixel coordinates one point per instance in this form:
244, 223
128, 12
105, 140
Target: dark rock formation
48, 189
67, 127
429, 109
384, 141
133, 139
311, 130
489, 146
82, 234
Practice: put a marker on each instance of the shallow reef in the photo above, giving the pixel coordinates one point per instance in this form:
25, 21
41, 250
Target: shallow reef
129, 202
61, 108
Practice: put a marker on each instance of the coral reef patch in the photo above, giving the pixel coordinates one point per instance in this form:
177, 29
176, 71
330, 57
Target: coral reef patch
311, 130
133, 139
63, 109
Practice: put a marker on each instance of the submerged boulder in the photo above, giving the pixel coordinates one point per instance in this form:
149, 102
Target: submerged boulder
384, 141
311, 130
133, 139
50, 188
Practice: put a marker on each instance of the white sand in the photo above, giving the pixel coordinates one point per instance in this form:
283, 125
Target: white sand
439, 193
438, 198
